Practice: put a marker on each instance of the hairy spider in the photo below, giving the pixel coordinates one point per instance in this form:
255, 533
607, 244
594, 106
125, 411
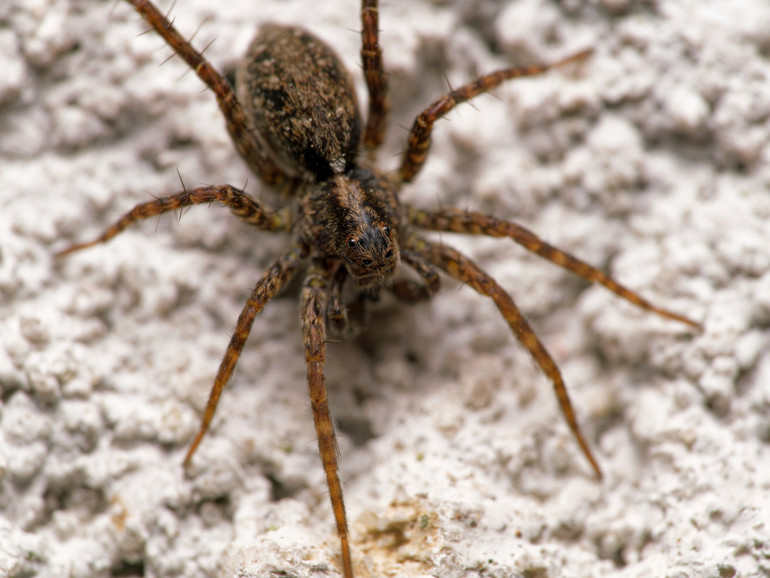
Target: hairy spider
295, 120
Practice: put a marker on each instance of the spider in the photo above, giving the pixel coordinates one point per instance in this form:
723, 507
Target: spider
295, 120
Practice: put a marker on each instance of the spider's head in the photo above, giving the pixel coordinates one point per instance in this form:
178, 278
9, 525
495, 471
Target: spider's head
370, 252
353, 217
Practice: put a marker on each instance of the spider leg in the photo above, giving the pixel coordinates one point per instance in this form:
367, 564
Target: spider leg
238, 201
237, 122
376, 81
420, 135
270, 283
336, 311
466, 271
312, 311
411, 291
460, 221
346, 318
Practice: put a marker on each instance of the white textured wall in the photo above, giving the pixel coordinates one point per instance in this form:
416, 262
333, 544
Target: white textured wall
651, 159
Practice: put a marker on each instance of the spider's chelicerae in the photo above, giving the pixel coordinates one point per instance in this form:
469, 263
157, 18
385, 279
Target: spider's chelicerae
295, 120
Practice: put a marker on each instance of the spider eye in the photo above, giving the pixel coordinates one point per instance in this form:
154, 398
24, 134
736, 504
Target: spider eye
366, 262
351, 242
386, 230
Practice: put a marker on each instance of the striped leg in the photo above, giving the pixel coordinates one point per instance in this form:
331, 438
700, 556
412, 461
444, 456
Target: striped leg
239, 203
266, 288
469, 223
466, 271
237, 123
420, 135
412, 291
376, 81
312, 312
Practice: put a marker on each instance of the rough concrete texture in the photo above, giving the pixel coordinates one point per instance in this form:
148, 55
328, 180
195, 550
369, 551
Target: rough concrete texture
650, 160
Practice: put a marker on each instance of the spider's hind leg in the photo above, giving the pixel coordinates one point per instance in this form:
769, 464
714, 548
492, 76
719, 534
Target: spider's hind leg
237, 122
376, 81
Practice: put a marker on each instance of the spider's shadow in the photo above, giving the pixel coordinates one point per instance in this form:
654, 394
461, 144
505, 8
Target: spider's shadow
355, 366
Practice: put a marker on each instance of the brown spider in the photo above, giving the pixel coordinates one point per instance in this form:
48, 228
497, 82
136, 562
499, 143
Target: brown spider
296, 122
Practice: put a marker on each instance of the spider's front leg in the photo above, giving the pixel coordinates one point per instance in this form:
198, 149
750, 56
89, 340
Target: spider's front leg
336, 309
470, 223
338, 313
345, 318
313, 306
271, 282
412, 291
236, 200
466, 271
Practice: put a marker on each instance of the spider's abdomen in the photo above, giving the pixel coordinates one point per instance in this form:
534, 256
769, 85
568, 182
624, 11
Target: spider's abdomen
301, 101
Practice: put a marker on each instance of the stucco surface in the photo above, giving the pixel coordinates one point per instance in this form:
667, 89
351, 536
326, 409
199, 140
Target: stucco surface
651, 160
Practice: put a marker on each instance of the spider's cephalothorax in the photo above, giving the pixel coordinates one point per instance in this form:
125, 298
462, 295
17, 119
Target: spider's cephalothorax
354, 217
296, 122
